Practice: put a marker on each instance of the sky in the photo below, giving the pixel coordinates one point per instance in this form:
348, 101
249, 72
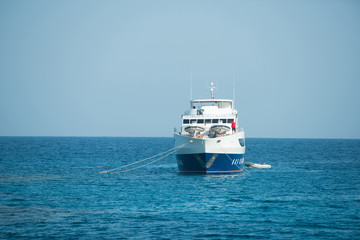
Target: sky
124, 68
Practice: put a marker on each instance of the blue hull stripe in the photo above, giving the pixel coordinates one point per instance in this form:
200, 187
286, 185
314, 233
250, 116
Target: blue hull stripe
210, 163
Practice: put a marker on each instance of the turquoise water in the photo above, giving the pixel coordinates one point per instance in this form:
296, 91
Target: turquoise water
48, 190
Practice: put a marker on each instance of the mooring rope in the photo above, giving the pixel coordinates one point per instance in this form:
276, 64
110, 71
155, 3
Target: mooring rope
231, 160
146, 163
94, 166
170, 151
246, 173
128, 164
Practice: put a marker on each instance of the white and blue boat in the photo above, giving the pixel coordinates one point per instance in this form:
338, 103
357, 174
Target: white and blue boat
216, 143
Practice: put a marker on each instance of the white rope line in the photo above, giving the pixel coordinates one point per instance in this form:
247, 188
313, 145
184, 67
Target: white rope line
94, 166
172, 150
231, 160
147, 163
243, 169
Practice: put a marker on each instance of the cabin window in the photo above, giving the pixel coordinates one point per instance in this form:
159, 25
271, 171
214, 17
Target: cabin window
201, 121
224, 104
186, 121
223, 120
207, 121
230, 120
215, 121
192, 121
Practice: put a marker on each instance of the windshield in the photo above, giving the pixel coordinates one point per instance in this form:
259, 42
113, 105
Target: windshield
219, 104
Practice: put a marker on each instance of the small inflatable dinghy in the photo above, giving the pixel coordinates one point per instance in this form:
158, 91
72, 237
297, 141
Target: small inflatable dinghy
256, 165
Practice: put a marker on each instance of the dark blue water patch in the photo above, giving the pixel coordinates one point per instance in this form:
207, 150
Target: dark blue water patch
51, 188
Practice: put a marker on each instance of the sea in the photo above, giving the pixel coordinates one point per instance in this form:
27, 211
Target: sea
53, 188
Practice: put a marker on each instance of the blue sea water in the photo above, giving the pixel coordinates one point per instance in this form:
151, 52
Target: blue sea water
50, 187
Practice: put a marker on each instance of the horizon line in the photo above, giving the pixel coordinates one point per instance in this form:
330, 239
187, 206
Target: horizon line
93, 136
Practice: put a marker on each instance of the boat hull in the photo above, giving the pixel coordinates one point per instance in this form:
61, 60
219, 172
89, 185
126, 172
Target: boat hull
213, 155
210, 163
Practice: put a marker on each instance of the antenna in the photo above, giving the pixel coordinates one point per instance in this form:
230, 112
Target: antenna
190, 84
212, 90
233, 88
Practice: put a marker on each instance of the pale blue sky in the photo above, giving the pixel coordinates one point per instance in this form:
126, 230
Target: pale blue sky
122, 68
